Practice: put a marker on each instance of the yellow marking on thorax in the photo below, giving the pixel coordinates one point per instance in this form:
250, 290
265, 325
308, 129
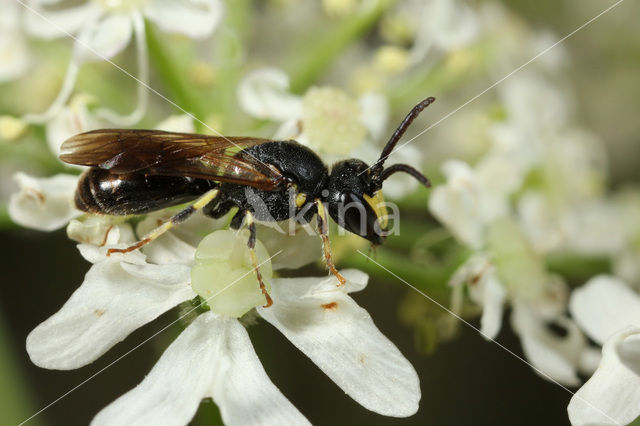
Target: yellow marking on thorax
301, 198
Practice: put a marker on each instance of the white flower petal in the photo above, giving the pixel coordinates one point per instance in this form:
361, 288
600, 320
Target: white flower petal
603, 306
297, 250
596, 228
539, 221
374, 113
171, 392
97, 254
114, 300
446, 24
14, 55
212, 357
243, 391
291, 129
553, 356
44, 203
341, 338
452, 202
169, 247
48, 23
493, 297
105, 39
177, 123
612, 395
193, 18
457, 28
71, 120
100, 231
263, 93
629, 352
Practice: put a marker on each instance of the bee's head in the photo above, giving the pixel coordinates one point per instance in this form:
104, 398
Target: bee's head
355, 190
355, 197
354, 203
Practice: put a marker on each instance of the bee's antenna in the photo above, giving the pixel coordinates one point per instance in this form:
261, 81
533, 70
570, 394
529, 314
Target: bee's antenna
377, 167
406, 169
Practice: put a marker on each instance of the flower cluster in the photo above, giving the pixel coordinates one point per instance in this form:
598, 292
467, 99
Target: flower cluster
538, 193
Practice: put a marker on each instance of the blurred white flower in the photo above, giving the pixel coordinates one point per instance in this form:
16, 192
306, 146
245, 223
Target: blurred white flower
612, 395
604, 306
80, 116
44, 204
472, 199
100, 230
47, 204
478, 275
609, 312
441, 24
212, 358
104, 28
72, 119
11, 128
626, 263
327, 120
14, 53
510, 272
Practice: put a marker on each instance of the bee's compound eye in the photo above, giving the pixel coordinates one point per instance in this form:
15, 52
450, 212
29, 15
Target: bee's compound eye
358, 216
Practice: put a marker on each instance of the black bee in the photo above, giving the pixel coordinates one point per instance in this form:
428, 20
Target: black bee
141, 171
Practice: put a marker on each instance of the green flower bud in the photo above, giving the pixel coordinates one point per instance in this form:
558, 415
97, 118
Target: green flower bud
332, 120
223, 273
517, 265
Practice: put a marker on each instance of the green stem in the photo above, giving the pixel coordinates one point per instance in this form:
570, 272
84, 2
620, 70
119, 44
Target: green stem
430, 279
174, 78
577, 269
319, 52
229, 47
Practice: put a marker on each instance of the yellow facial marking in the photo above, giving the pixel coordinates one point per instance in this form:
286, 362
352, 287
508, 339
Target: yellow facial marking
301, 199
378, 205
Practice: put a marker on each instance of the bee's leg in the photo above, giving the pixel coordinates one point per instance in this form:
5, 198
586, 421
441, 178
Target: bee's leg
326, 248
252, 244
179, 217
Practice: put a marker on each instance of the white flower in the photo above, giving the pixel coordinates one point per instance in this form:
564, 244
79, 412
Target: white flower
111, 22
327, 120
604, 306
626, 263
485, 289
443, 24
45, 204
104, 28
609, 312
472, 199
213, 357
509, 271
71, 120
81, 116
14, 55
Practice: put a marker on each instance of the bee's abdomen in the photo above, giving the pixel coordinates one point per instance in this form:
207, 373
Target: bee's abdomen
101, 192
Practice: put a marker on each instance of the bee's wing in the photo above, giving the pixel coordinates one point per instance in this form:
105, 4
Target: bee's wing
172, 154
